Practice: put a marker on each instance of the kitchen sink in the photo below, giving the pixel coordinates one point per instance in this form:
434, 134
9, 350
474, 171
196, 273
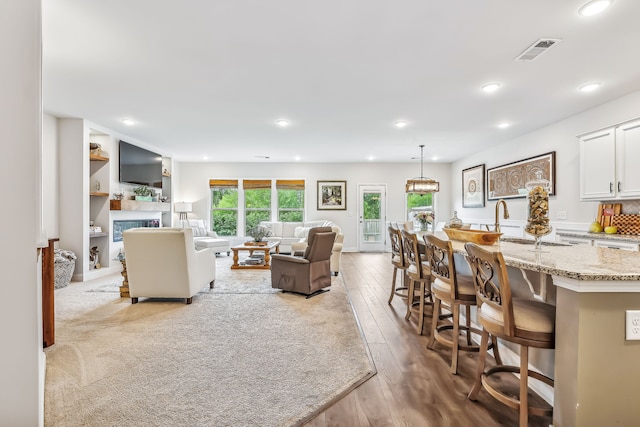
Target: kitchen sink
522, 241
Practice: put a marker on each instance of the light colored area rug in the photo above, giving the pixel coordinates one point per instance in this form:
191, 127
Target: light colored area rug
241, 355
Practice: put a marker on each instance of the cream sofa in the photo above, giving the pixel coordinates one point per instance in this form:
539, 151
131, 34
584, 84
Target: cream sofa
163, 263
293, 237
203, 238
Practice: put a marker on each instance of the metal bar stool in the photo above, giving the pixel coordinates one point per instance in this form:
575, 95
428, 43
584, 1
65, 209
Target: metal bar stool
529, 323
418, 271
399, 262
453, 290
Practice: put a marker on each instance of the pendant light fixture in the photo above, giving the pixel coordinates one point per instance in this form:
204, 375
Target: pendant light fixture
422, 185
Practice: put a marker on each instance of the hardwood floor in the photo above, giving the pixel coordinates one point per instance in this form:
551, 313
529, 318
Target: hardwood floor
413, 386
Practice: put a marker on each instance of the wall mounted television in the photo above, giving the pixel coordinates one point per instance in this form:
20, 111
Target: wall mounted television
140, 166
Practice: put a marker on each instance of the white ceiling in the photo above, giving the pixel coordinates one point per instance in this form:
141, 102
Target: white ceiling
211, 77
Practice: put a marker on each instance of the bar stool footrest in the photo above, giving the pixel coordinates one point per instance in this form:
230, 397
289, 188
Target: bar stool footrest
474, 348
509, 400
401, 291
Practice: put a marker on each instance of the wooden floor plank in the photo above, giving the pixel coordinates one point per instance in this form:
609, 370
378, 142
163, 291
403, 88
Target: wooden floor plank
373, 408
369, 325
413, 386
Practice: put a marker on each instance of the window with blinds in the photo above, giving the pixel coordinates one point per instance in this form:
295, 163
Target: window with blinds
290, 200
257, 202
257, 195
224, 206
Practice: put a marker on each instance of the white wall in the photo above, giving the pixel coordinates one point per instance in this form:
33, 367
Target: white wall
192, 185
561, 138
21, 358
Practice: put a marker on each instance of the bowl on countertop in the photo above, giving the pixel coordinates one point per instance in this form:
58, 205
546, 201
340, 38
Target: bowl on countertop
478, 237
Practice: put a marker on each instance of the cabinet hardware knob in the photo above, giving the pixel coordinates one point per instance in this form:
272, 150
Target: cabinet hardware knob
619, 186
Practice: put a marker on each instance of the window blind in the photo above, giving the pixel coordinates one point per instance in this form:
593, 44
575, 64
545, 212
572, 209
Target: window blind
223, 183
290, 184
253, 184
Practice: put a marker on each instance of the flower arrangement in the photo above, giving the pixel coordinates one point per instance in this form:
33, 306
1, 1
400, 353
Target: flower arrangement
258, 233
424, 217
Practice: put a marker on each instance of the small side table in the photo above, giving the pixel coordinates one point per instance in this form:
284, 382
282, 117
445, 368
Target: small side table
124, 289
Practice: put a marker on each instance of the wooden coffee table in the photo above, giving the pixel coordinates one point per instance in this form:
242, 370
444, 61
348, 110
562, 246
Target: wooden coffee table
251, 247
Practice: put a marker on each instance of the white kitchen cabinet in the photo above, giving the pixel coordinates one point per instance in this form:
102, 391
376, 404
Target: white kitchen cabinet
607, 161
628, 245
615, 244
627, 155
597, 165
575, 240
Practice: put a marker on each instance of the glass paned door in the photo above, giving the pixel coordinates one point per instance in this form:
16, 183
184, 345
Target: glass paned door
372, 216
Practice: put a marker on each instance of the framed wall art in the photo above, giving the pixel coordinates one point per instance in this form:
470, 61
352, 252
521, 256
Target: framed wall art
332, 195
473, 187
508, 181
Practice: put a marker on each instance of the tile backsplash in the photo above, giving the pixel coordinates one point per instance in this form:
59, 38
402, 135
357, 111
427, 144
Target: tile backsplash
629, 207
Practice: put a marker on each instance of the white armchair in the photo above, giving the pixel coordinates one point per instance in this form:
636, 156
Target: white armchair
204, 238
163, 263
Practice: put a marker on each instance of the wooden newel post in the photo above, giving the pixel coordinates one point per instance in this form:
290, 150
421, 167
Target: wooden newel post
124, 289
48, 286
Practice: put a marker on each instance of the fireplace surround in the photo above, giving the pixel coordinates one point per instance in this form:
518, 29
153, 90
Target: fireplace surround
119, 226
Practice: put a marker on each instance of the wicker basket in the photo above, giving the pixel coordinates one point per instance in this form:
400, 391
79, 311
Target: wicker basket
64, 264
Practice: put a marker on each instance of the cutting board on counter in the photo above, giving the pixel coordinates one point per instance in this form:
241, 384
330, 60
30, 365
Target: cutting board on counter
606, 211
627, 224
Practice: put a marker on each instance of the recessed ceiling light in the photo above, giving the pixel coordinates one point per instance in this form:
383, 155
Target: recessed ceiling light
370, 158
128, 122
282, 122
205, 157
297, 158
491, 87
401, 123
504, 125
434, 158
594, 7
589, 87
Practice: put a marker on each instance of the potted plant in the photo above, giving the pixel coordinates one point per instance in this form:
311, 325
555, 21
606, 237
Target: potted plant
258, 233
143, 193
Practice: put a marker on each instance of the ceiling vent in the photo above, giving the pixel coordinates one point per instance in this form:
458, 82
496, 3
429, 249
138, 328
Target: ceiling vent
536, 49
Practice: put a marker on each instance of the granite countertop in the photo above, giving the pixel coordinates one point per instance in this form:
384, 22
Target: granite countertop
601, 236
587, 263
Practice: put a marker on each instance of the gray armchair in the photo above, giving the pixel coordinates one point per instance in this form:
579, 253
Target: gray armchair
309, 274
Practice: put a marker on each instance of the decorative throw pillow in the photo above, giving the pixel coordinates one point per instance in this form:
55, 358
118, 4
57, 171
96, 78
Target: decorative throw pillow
301, 232
289, 228
199, 231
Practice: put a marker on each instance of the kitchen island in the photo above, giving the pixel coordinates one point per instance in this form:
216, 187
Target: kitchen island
596, 371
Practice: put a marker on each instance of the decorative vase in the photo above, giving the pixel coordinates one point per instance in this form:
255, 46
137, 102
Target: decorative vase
454, 222
538, 209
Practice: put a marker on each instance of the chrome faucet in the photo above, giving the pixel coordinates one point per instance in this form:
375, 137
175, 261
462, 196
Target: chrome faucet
506, 214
